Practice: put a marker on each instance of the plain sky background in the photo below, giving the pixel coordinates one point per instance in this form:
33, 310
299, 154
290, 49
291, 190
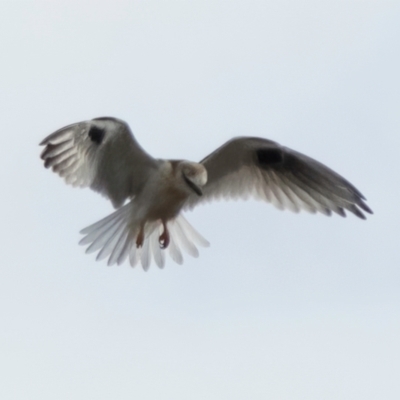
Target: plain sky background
281, 306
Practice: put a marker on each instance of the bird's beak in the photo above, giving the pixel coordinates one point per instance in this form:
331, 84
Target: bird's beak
193, 186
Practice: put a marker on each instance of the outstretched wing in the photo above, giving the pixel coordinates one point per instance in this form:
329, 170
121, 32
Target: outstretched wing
261, 168
101, 154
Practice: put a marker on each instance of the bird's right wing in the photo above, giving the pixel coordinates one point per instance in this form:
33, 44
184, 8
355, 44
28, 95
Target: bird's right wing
254, 167
101, 154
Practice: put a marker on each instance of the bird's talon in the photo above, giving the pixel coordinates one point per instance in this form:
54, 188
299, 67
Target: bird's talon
140, 239
164, 239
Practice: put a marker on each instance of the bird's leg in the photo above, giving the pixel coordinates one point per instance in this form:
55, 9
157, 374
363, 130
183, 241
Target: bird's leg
164, 237
140, 237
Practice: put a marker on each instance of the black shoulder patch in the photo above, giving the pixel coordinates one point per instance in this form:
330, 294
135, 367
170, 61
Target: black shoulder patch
266, 157
96, 134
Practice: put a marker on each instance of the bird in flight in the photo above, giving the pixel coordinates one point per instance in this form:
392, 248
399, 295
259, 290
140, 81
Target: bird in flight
104, 155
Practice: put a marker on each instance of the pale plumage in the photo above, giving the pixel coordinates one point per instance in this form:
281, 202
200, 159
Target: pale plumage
103, 154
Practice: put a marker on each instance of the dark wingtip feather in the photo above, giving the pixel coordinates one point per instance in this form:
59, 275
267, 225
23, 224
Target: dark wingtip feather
340, 211
47, 162
44, 141
362, 205
46, 151
357, 212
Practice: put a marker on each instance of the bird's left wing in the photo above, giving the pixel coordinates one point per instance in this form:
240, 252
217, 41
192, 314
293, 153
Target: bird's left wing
254, 167
101, 154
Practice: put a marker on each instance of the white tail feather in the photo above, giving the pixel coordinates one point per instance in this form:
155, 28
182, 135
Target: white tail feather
115, 237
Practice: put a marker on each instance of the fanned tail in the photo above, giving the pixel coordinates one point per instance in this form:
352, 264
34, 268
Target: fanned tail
115, 237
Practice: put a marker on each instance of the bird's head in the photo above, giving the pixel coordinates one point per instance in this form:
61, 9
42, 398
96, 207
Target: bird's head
194, 176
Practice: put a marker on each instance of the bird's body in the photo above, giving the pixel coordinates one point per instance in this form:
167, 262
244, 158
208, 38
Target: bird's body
103, 155
162, 197
166, 193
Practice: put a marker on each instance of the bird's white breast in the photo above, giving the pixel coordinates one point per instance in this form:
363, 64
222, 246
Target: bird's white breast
164, 194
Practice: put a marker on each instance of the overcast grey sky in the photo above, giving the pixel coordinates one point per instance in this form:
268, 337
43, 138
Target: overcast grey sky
281, 306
